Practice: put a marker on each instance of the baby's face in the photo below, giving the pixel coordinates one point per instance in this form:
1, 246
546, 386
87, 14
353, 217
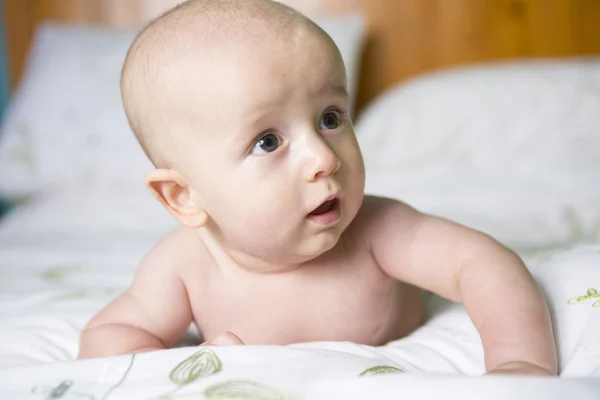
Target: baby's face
272, 155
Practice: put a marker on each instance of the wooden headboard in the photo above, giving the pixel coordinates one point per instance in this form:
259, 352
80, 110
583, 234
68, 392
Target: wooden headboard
406, 37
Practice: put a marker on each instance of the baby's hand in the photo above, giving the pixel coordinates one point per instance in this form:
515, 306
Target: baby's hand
224, 339
519, 368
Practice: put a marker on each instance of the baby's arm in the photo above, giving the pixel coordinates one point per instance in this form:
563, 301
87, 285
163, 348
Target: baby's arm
151, 315
464, 265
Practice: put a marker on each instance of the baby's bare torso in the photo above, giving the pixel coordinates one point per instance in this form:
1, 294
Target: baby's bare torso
341, 296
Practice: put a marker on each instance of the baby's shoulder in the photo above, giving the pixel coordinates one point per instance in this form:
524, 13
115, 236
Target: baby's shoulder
375, 207
378, 212
175, 251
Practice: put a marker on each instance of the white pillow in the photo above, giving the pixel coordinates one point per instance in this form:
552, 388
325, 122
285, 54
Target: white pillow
65, 124
511, 148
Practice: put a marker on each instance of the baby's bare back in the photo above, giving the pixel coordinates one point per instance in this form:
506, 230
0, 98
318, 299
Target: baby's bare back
341, 296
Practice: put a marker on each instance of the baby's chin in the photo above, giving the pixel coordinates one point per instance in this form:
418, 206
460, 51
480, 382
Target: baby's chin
288, 258
320, 244
326, 240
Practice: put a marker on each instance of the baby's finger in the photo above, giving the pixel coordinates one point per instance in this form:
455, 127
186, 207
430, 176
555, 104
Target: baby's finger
224, 339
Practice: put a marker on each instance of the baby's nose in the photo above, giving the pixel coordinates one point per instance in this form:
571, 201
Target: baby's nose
323, 165
322, 162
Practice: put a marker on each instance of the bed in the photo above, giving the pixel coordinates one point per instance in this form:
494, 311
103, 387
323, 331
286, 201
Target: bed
486, 112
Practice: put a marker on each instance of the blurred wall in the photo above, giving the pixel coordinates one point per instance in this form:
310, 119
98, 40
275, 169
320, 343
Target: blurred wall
405, 37
3, 63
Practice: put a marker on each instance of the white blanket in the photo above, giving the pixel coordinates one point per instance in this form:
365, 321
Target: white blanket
52, 281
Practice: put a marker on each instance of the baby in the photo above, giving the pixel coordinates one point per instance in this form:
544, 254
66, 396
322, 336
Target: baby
242, 106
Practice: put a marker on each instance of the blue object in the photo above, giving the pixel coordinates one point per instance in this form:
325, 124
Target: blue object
4, 205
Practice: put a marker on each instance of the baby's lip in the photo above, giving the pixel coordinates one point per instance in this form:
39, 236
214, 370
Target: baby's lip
328, 213
325, 205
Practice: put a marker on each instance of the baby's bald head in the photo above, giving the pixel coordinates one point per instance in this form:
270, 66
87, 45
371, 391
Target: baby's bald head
166, 63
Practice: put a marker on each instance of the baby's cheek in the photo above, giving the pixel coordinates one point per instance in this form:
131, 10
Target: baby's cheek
264, 228
261, 200
352, 162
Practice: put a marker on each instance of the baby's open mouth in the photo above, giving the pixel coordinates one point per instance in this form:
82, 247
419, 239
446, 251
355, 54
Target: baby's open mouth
327, 213
325, 207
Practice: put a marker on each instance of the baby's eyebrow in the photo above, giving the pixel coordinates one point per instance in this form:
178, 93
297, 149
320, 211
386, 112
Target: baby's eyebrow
336, 89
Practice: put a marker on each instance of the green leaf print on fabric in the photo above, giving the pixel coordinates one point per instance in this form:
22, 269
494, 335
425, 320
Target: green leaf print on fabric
61, 391
199, 365
590, 295
59, 272
80, 294
380, 370
243, 390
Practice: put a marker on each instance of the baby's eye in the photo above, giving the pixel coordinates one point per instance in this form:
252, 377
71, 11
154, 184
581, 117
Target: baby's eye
266, 144
330, 120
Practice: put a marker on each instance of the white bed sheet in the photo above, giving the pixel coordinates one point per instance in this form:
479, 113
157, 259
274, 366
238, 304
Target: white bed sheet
57, 268
66, 254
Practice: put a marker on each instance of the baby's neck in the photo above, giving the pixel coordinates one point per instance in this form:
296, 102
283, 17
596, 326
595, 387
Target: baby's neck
231, 260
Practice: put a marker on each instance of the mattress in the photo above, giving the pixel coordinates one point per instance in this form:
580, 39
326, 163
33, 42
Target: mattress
64, 256
508, 149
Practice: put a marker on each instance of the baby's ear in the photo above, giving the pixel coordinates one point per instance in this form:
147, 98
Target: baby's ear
173, 191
